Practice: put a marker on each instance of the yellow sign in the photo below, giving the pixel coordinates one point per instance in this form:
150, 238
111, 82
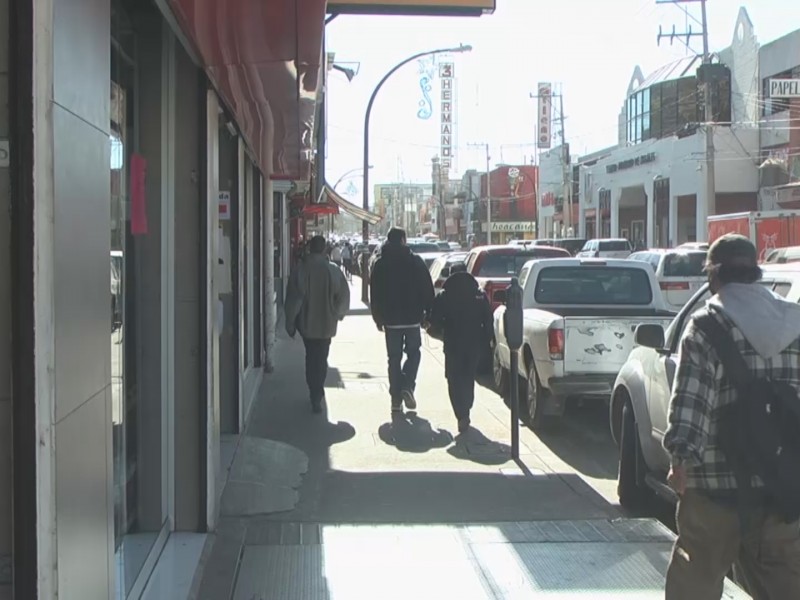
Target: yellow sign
411, 7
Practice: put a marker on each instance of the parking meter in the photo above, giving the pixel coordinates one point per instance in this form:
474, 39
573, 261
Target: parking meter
512, 324
512, 319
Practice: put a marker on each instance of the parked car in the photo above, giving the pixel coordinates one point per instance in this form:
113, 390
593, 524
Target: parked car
694, 246
579, 318
679, 272
571, 245
442, 266
494, 266
606, 248
455, 246
784, 255
640, 400
443, 246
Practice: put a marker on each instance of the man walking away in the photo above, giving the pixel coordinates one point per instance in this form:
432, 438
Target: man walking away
401, 297
317, 298
462, 316
735, 391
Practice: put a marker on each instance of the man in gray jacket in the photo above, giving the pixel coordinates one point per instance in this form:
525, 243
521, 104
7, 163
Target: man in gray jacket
317, 298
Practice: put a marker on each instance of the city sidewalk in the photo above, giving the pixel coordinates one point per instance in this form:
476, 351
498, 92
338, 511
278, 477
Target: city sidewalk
356, 504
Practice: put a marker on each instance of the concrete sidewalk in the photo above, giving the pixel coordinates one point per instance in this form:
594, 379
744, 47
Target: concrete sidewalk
330, 506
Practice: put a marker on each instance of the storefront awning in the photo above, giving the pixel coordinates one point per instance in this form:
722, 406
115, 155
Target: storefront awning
328, 195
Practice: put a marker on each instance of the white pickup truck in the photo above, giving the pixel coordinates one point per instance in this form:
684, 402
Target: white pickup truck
579, 318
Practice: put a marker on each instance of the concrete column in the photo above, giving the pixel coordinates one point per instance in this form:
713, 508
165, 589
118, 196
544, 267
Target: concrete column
650, 223
213, 310
701, 214
672, 233
616, 196
270, 301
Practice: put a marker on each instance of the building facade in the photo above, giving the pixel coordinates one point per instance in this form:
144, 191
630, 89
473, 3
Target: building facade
779, 115
132, 153
512, 195
400, 204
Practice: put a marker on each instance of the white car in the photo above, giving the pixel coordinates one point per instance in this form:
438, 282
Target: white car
606, 248
443, 266
679, 272
641, 394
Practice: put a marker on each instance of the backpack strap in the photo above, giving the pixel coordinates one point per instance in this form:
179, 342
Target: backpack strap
736, 369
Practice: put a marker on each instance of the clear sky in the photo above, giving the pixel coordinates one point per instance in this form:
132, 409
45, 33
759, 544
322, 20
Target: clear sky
587, 48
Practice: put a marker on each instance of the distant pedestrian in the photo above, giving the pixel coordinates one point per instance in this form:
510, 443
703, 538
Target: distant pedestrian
336, 255
347, 259
462, 318
733, 436
317, 298
401, 298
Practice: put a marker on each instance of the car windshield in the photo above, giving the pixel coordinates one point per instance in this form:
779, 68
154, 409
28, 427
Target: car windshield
593, 285
423, 247
511, 263
614, 246
684, 264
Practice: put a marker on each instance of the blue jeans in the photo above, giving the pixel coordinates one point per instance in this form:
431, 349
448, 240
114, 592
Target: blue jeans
403, 376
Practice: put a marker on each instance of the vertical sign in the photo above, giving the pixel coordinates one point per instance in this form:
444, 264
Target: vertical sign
544, 116
446, 77
224, 206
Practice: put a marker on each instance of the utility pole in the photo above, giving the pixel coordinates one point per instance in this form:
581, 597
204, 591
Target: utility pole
709, 207
565, 169
488, 191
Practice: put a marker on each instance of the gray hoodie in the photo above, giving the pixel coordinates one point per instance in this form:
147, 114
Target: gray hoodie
769, 322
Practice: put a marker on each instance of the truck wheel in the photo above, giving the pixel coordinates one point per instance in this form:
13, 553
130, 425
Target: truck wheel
632, 490
500, 375
534, 398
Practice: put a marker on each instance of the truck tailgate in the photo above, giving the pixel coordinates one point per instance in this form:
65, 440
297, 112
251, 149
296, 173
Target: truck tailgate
600, 345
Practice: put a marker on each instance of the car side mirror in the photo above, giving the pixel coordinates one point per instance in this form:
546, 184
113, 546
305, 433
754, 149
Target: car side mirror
649, 336
445, 272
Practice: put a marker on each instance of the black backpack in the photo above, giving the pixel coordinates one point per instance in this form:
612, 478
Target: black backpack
759, 433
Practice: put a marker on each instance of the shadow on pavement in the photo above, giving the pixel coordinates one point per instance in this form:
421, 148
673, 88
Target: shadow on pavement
334, 379
474, 446
581, 439
411, 433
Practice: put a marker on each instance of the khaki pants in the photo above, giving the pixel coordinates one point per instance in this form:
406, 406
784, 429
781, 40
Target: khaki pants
710, 541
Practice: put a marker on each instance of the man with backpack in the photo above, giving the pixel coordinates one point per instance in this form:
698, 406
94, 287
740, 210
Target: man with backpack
401, 296
462, 318
734, 436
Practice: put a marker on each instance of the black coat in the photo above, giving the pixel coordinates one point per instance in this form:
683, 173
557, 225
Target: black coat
401, 288
462, 316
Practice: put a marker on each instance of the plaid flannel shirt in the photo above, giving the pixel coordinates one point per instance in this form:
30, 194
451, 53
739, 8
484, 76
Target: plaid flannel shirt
700, 390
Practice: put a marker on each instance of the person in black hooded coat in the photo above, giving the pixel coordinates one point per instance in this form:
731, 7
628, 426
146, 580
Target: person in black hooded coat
462, 318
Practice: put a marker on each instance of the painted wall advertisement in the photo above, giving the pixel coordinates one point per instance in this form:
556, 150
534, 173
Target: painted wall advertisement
544, 116
446, 77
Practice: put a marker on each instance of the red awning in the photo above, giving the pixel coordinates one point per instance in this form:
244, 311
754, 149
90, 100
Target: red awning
264, 57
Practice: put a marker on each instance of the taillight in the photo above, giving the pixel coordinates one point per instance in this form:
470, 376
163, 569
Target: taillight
555, 341
674, 285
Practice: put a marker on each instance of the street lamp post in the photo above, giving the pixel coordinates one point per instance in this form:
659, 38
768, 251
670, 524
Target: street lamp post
365, 224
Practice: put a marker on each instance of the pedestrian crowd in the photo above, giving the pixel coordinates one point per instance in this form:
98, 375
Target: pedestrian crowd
734, 416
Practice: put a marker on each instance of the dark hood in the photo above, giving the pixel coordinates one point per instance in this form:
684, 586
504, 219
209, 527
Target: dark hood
393, 251
461, 283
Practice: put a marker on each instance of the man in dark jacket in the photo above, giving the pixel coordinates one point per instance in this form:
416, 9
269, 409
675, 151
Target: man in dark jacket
401, 296
462, 316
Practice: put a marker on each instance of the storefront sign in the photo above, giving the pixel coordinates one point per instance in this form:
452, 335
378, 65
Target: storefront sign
446, 76
224, 206
631, 162
784, 88
512, 227
544, 118
411, 7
